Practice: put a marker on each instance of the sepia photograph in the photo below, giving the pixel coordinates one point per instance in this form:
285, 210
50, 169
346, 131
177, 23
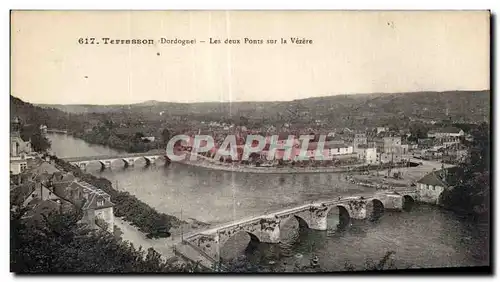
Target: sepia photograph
238, 141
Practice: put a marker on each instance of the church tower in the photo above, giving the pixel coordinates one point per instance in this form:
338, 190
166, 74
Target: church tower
15, 127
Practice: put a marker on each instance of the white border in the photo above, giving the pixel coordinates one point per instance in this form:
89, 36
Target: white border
203, 5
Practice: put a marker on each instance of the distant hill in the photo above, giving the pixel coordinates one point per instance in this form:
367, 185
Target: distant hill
342, 109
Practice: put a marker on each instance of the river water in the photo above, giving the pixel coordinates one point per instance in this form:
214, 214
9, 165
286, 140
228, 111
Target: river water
423, 237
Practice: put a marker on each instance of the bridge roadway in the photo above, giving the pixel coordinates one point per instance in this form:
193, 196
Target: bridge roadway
266, 228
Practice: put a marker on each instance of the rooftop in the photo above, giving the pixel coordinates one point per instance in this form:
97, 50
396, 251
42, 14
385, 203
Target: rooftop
449, 129
445, 177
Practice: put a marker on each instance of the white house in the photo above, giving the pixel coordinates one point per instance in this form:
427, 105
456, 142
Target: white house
95, 203
381, 129
430, 188
18, 166
446, 132
336, 149
20, 150
371, 155
98, 209
388, 158
367, 154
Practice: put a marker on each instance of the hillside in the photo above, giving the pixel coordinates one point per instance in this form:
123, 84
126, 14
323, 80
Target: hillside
53, 118
360, 109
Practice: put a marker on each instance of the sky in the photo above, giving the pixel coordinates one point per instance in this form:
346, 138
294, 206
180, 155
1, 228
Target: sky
352, 52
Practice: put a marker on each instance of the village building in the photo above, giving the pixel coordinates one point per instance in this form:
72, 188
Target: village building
381, 129
359, 139
46, 186
95, 203
392, 144
454, 153
450, 131
20, 150
430, 188
367, 154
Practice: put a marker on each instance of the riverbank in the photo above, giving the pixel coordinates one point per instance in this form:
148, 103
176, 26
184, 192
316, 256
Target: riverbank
209, 163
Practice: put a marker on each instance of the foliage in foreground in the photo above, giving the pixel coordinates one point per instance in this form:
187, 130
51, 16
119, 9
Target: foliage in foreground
57, 243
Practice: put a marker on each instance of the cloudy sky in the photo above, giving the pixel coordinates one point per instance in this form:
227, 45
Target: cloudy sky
352, 52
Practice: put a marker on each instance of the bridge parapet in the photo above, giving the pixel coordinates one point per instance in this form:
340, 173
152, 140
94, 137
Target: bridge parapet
263, 229
207, 243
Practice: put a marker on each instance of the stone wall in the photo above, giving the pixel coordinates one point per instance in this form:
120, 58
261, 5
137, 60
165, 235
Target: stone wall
429, 194
357, 208
392, 202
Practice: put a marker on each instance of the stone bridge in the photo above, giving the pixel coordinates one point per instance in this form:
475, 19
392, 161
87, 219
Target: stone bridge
266, 228
106, 161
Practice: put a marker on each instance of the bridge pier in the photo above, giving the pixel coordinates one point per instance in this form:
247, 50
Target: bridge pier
318, 217
128, 162
357, 208
392, 202
106, 164
270, 230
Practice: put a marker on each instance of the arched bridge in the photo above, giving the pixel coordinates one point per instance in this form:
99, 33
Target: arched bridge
266, 228
106, 161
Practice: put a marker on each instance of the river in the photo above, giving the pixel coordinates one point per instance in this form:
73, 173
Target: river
423, 237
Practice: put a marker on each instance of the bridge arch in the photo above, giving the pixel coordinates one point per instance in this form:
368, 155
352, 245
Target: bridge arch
408, 202
128, 162
149, 160
236, 244
95, 163
338, 217
303, 219
292, 228
375, 209
303, 223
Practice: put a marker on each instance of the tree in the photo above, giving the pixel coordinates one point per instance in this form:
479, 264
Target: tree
165, 136
471, 193
57, 243
243, 121
418, 131
38, 142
